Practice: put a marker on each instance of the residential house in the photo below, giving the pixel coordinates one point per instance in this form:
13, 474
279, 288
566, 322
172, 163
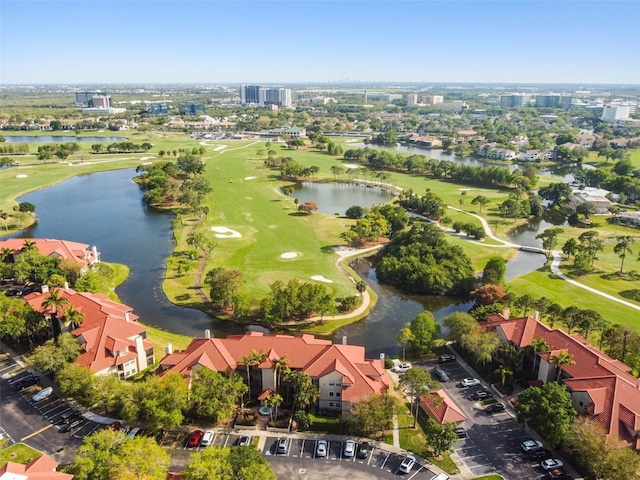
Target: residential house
62, 249
601, 387
112, 341
595, 196
340, 370
439, 406
40, 468
502, 154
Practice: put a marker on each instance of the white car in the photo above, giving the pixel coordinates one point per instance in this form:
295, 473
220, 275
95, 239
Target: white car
245, 441
321, 448
349, 448
551, 464
407, 464
207, 438
402, 367
529, 446
469, 382
42, 394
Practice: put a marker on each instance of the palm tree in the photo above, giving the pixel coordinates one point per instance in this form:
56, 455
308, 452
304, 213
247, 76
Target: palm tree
504, 372
54, 302
4, 216
622, 248
73, 316
272, 402
538, 345
5, 254
254, 358
280, 365
28, 245
562, 358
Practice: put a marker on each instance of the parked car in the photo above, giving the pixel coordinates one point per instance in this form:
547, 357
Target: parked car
446, 358
482, 395
349, 449
363, 450
207, 438
71, 425
494, 408
402, 367
559, 474
42, 394
540, 454
282, 445
245, 441
26, 382
441, 374
71, 414
321, 448
469, 382
407, 464
194, 438
551, 464
461, 432
530, 446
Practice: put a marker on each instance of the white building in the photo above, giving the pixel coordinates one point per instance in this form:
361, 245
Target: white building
412, 99
432, 99
110, 110
616, 112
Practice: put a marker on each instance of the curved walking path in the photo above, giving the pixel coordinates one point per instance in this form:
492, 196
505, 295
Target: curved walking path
555, 264
555, 269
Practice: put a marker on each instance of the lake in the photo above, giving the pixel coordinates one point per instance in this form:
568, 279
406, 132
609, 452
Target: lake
106, 209
60, 139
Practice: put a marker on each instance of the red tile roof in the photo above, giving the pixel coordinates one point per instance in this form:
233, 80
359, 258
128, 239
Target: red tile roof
40, 468
108, 327
305, 352
437, 404
64, 249
614, 392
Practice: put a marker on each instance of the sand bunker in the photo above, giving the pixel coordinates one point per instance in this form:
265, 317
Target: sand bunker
351, 165
22, 175
224, 232
144, 158
320, 278
147, 163
249, 178
289, 255
219, 147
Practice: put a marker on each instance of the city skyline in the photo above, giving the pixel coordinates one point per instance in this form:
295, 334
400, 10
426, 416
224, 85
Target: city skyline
531, 42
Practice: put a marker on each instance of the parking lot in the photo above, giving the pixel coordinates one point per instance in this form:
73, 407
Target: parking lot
492, 444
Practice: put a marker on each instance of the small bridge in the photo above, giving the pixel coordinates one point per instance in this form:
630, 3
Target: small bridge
528, 248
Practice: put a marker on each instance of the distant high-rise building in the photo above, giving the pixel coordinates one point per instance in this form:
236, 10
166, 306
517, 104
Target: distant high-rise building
257, 95
432, 99
515, 100
100, 101
553, 101
83, 99
412, 99
157, 108
250, 94
192, 108
615, 112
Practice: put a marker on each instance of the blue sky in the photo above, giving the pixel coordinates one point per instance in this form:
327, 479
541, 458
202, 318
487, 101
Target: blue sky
144, 41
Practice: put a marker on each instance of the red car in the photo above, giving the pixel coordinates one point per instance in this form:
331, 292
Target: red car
194, 438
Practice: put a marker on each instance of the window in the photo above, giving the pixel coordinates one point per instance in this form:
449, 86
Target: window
338, 394
331, 394
581, 403
331, 383
331, 404
338, 383
338, 405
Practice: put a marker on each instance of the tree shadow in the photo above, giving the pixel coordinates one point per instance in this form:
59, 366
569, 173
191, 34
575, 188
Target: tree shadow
183, 297
633, 294
630, 276
299, 214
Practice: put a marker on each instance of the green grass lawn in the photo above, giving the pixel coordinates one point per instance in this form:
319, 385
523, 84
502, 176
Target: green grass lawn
490, 477
18, 453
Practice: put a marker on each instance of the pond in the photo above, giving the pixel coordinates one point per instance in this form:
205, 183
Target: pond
106, 210
59, 139
336, 198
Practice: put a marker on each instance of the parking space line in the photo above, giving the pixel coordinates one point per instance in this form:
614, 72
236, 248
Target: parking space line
370, 456
417, 472
226, 440
93, 429
385, 460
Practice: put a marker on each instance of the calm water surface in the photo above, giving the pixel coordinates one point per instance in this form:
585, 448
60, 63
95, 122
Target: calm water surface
106, 210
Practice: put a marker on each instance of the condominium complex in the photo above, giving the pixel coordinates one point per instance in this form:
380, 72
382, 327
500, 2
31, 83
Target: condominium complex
257, 95
552, 100
616, 112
